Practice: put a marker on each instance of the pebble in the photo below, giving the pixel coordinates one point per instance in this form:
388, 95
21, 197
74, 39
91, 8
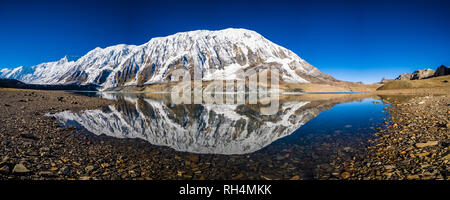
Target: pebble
345, 175
20, 169
389, 167
413, 177
423, 154
446, 157
427, 144
4, 169
89, 168
47, 173
239, 176
266, 178
64, 170
84, 178
193, 158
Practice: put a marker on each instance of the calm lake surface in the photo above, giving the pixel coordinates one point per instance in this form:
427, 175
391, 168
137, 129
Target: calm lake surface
312, 136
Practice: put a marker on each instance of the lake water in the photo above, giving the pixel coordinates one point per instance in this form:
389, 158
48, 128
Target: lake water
312, 136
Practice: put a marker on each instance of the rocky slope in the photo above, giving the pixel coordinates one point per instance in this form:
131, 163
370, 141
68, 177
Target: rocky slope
218, 55
433, 84
416, 75
425, 73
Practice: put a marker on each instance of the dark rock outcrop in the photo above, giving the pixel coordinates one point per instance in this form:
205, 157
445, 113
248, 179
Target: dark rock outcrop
442, 71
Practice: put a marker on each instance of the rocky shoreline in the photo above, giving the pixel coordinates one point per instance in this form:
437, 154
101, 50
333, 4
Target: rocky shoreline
414, 144
34, 146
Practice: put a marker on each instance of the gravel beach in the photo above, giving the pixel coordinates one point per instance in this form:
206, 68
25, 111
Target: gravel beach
414, 144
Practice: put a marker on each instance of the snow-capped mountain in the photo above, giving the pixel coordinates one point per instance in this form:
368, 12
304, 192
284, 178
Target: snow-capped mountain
206, 128
224, 51
45, 73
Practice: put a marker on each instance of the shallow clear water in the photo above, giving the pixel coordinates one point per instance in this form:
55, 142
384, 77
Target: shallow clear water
306, 136
351, 117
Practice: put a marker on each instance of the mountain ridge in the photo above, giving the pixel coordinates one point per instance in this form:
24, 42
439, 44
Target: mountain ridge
218, 55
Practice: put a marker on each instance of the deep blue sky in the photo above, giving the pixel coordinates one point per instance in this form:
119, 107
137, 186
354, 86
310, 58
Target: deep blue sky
351, 40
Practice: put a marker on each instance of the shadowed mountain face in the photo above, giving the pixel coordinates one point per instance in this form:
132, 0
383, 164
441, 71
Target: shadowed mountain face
205, 129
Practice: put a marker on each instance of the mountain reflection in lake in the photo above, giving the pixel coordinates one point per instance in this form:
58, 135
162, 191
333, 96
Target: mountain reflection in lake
294, 141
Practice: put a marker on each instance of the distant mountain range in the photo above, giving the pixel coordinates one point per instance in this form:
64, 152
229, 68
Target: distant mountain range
225, 51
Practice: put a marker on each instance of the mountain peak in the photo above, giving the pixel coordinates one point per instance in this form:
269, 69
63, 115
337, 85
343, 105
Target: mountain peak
63, 60
218, 54
204, 32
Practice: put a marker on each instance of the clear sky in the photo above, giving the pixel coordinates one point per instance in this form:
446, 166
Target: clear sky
351, 40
